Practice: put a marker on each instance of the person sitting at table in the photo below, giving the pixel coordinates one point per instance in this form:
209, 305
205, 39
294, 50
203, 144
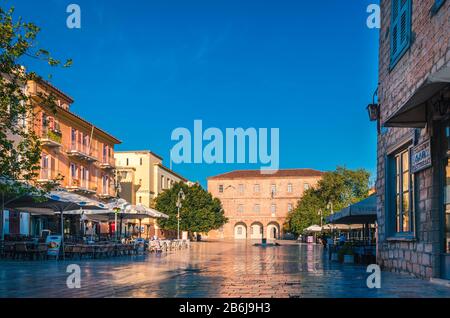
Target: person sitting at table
342, 239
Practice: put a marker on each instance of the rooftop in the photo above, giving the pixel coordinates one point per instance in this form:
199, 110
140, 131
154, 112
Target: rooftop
251, 174
142, 152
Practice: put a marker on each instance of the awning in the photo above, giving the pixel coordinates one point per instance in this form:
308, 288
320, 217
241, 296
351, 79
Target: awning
413, 113
364, 212
55, 201
341, 227
123, 209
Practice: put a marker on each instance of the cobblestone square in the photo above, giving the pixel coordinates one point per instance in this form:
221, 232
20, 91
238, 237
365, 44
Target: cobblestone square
211, 269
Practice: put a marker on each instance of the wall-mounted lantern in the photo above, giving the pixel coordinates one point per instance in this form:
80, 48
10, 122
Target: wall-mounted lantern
373, 112
374, 109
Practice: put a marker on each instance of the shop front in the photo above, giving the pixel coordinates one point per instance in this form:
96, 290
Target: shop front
445, 262
417, 190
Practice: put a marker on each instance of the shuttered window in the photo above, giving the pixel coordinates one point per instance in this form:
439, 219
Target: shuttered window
400, 29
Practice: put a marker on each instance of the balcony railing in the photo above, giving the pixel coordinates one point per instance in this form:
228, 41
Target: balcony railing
107, 191
107, 163
80, 185
47, 175
82, 152
51, 138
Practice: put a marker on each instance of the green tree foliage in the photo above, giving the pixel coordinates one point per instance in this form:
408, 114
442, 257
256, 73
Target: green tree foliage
200, 212
20, 150
341, 188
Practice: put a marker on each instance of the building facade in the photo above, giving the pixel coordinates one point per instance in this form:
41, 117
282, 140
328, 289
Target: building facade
79, 155
150, 176
76, 155
256, 204
142, 178
413, 144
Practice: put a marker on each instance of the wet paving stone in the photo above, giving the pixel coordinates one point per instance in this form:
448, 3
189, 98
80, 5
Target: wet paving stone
210, 269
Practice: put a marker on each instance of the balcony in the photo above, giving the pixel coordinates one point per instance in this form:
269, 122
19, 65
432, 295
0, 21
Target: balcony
80, 186
105, 196
81, 153
48, 176
107, 192
107, 164
51, 138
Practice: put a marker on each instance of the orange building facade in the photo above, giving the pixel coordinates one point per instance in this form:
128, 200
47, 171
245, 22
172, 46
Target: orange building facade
257, 205
77, 154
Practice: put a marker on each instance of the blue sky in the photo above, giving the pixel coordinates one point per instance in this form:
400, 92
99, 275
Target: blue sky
143, 68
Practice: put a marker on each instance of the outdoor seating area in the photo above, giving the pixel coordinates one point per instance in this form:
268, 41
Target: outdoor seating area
358, 244
38, 250
167, 245
77, 229
24, 250
353, 252
96, 251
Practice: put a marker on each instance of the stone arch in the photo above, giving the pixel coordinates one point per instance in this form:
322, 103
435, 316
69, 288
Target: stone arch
273, 231
256, 230
240, 231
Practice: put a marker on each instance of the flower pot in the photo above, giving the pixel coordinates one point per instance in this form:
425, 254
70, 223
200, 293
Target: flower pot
349, 259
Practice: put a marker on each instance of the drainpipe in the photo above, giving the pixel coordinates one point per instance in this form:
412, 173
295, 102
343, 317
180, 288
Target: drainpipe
62, 232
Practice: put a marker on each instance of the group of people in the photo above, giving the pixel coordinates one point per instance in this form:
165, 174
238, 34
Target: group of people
329, 241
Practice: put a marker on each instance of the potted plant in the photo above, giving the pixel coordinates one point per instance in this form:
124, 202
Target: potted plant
334, 256
346, 254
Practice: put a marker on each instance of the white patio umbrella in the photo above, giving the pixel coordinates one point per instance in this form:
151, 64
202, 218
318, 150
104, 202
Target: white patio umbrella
122, 209
313, 228
59, 202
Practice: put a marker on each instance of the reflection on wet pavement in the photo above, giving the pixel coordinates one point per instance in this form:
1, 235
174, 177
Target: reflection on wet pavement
210, 269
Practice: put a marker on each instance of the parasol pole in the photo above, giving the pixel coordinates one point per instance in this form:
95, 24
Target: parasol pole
62, 231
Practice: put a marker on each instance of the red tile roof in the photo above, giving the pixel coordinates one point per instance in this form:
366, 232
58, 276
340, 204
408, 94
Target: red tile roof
250, 174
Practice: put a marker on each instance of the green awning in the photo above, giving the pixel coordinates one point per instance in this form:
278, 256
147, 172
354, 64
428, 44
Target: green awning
413, 114
364, 212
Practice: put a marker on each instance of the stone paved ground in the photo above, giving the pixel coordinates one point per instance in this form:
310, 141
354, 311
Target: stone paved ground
210, 269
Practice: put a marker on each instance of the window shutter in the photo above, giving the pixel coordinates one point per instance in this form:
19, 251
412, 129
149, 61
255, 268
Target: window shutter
400, 29
437, 5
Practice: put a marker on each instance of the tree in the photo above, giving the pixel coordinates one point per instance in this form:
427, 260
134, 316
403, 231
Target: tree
20, 150
200, 212
341, 188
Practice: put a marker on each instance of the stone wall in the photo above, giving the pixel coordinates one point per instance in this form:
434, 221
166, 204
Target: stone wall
428, 53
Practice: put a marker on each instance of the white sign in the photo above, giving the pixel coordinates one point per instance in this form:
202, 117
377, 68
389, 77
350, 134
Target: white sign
421, 157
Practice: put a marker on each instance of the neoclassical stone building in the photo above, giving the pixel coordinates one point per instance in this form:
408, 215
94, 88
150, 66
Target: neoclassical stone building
256, 204
413, 143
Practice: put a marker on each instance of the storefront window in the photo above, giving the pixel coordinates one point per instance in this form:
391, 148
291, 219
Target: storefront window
400, 203
447, 194
447, 132
447, 207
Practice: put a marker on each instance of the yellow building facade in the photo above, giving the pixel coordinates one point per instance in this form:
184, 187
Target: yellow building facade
142, 177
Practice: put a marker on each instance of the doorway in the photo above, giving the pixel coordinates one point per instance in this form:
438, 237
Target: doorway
446, 208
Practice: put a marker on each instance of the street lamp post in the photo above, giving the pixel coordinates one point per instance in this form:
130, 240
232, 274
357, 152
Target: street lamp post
321, 217
119, 175
181, 197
